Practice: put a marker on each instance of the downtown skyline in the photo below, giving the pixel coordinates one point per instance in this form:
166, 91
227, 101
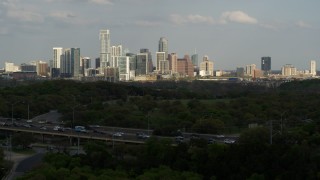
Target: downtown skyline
232, 34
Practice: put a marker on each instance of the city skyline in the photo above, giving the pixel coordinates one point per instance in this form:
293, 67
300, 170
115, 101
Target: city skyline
233, 34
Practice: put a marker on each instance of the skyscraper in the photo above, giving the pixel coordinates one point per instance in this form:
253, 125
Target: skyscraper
266, 63
105, 53
70, 64
206, 67
194, 59
313, 68
163, 46
57, 52
173, 58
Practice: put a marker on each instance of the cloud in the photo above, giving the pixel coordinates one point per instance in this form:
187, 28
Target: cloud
98, 2
101, 2
268, 26
303, 24
62, 15
147, 23
4, 31
28, 13
192, 18
238, 17
24, 15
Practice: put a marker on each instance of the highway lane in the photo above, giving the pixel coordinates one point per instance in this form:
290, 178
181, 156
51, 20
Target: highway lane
105, 133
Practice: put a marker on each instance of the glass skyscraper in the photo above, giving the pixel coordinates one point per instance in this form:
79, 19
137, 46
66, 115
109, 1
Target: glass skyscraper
163, 46
105, 53
266, 63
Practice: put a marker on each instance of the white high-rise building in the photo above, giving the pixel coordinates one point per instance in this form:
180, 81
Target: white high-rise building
288, 70
313, 68
163, 46
57, 52
105, 54
206, 67
160, 56
250, 70
116, 50
10, 67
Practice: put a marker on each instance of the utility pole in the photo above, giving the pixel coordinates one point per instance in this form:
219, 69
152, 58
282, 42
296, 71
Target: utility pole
270, 131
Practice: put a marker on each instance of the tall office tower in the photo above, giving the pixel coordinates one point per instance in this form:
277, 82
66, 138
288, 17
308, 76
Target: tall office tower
163, 46
266, 64
206, 67
124, 68
250, 70
160, 56
194, 59
42, 68
288, 70
185, 66
84, 65
313, 68
10, 67
70, 64
57, 52
97, 63
105, 54
28, 67
116, 50
173, 58
240, 72
141, 64
149, 60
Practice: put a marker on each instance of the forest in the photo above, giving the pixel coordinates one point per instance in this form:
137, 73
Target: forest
197, 107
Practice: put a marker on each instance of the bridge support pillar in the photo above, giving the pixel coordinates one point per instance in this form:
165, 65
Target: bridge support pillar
78, 145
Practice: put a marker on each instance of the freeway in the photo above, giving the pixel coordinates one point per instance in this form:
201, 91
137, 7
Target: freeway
72, 134
105, 133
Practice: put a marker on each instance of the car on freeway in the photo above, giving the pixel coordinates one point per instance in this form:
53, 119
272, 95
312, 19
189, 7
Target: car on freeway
117, 134
194, 136
229, 141
141, 135
43, 128
212, 141
220, 136
179, 139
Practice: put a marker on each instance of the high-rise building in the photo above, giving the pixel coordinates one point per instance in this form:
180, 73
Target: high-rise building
97, 63
116, 50
70, 64
250, 70
266, 64
150, 64
185, 66
160, 56
240, 72
206, 67
313, 68
85, 64
105, 54
28, 68
194, 59
57, 52
288, 70
173, 59
42, 68
124, 68
163, 46
10, 67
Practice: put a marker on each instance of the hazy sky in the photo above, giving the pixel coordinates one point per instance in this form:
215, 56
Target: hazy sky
231, 32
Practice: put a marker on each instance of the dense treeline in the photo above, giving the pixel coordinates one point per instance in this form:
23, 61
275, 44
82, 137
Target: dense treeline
204, 107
